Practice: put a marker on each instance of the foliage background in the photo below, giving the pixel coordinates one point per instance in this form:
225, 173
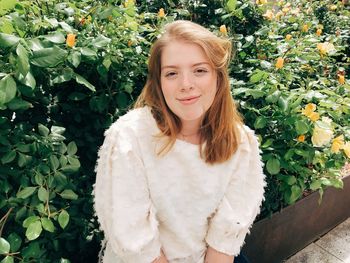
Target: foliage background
68, 69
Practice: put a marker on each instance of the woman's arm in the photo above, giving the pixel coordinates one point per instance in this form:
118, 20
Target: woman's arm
214, 256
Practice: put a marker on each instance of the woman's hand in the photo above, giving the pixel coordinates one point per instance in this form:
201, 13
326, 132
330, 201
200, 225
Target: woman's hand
161, 259
214, 256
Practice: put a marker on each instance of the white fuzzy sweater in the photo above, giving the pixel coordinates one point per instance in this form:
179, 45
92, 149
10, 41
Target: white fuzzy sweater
177, 202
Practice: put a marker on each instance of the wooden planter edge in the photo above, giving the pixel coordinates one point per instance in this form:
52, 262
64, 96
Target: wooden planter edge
294, 227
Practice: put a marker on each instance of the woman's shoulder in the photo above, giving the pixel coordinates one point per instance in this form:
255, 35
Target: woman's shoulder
134, 122
248, 138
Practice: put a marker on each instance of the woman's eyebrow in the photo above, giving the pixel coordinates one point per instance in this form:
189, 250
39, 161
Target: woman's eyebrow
194, 65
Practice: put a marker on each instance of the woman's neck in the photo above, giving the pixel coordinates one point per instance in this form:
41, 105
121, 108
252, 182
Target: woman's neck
190, 131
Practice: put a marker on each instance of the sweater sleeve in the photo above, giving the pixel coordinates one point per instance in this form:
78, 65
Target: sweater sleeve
242, 199
122, 201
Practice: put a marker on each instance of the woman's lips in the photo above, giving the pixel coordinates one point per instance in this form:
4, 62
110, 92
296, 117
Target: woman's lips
189, 100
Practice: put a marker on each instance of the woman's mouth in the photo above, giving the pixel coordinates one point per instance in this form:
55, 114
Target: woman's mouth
189, 100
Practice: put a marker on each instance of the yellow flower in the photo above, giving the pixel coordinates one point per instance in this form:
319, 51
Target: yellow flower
319, 32
309, 108
337, 144
129, 43
333, 7
309, 111
161, 13
269, 15
285, 9
70, 41
305, 28
341, 79
346, 149
301, 138
288, 37
321, 135
223, 29
325, 48
261, 2
279, 63
314, 116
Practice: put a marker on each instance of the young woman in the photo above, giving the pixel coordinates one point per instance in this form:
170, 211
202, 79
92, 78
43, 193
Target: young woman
179, 178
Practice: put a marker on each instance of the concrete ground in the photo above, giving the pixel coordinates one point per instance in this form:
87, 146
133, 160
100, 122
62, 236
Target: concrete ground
334, 247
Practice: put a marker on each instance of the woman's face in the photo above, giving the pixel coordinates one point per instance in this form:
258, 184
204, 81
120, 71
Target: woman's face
188, 81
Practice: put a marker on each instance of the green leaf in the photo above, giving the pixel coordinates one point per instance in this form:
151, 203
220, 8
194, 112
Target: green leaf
48, 57
33, 250
89, 53
56, 38
30, 220
301, 127
75, 58
66, 27
257, 76
260, 122
249, 40
19, 104
23, 63
23, 159
63, 260
290, 180
273, 98
15, 241
47, 224
273, 166
67, 74
34, 230
57, 129
4, 246
69, 194
6, 5
267, 143
100, 41
72, 148
73, 161
83, 81
39, 178
63, 219
9, 88
26, 192
28, 80
54, 162
231, 5
7, 40
44, 131
283, 103
337, 183
315, 185
43, 194
8, 157
7, 259
295, 194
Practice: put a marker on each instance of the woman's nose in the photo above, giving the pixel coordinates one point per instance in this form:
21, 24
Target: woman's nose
187, 82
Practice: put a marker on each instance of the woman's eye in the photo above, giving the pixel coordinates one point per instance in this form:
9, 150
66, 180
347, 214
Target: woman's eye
201, 71
170, 74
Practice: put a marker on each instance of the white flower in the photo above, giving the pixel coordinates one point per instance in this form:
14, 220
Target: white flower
322, 133
138, 50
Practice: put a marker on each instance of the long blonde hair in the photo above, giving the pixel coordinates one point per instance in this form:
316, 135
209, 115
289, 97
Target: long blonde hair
219, 134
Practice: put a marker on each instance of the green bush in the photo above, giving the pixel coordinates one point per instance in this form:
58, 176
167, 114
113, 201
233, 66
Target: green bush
69, 69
